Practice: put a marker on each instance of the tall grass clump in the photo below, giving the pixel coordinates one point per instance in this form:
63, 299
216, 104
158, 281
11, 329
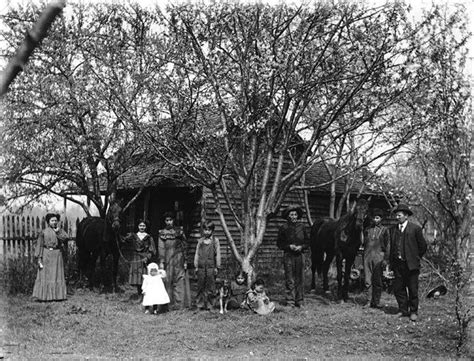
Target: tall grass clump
19, 275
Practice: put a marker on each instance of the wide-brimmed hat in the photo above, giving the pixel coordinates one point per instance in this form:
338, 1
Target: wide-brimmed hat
51, 215
377, 212
403, 208
291, 208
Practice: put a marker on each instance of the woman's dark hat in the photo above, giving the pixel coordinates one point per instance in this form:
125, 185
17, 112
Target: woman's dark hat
403, 208
51, 215
291, 208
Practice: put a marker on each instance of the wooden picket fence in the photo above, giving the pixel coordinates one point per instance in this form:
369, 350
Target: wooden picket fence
18, 234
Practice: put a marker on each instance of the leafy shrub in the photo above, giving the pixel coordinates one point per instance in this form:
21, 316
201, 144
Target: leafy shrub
19, 275
71, 272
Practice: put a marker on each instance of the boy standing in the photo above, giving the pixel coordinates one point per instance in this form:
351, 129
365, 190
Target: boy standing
207, 261
375, 248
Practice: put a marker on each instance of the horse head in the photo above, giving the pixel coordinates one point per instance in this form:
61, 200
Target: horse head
360, 211
113, 217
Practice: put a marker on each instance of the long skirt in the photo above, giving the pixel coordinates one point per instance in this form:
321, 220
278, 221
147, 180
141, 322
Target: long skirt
50, 284
137, 269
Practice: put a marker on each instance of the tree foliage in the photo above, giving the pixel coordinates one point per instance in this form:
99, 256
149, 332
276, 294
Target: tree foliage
254, 95
64, 131
436, 175
241, 98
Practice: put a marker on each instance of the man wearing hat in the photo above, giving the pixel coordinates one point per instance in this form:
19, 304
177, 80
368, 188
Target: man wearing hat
293, 240
407, 246
376, 243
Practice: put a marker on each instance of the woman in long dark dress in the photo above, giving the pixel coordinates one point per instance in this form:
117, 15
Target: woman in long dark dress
143, 251
50, 283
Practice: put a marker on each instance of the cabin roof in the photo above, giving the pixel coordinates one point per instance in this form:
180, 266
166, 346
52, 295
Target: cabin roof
151, 175
318, 174
156, 174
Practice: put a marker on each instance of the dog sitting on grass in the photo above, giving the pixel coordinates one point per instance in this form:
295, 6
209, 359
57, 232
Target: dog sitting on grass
224, 294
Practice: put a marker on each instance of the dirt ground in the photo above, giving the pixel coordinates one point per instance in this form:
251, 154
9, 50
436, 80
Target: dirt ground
105, 326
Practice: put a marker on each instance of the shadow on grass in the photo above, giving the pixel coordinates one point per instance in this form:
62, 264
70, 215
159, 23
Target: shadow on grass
390, 310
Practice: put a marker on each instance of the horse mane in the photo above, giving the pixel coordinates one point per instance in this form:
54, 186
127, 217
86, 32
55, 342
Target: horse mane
347, 224
345, 220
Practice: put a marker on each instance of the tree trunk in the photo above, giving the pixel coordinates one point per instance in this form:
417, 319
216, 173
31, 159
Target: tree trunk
247, 267
332, 201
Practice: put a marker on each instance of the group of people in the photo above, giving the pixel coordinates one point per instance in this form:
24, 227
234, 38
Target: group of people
159, 273
397, 250
165, 282
167, 263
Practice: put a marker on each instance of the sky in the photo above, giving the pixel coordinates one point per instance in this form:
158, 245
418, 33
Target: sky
417, 6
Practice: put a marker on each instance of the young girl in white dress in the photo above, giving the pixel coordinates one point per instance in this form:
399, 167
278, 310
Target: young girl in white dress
153, 289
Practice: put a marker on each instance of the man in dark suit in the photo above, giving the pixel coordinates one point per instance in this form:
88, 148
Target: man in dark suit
407, 246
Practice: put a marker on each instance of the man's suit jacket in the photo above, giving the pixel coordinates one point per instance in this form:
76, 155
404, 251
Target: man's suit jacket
414, 242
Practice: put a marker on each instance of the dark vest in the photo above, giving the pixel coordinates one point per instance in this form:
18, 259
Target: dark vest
400, 244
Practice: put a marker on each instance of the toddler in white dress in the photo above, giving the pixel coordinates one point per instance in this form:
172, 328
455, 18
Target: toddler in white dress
153, 289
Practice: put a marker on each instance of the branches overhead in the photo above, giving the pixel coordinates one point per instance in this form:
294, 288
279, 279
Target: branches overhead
259, 80
32, 40
439, 161
68, 121
240, 98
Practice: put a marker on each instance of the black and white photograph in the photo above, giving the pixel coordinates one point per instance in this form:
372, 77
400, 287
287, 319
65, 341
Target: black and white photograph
236, 180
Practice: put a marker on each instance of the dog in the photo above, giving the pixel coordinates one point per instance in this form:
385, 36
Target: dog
224, 293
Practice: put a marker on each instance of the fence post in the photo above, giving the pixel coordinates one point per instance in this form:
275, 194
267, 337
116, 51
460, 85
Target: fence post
23, 225
28, 226
37, 227
66, 225
3, 235
18, 226
7, 228
17, 242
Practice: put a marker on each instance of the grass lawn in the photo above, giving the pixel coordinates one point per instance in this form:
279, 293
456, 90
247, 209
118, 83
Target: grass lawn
93, 325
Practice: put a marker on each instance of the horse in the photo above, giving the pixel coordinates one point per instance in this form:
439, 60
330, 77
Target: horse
341, 238
97, 237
